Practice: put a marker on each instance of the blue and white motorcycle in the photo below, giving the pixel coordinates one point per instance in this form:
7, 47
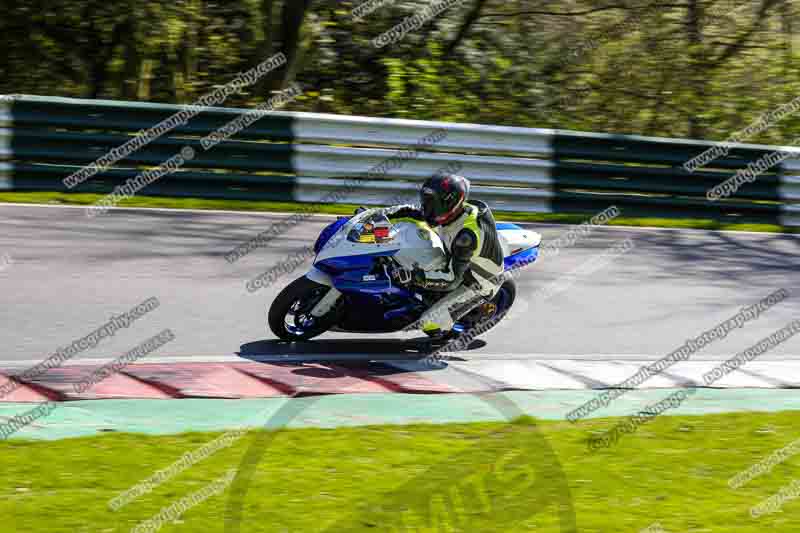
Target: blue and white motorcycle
361, 278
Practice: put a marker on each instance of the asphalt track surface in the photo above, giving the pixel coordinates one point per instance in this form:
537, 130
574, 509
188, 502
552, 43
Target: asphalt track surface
71, 273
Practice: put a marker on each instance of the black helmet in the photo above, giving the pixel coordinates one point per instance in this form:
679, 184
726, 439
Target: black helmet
442, 198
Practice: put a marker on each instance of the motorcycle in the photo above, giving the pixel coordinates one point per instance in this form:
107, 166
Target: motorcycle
361, 279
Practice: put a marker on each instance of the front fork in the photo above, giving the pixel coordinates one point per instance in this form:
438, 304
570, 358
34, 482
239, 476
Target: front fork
328, 301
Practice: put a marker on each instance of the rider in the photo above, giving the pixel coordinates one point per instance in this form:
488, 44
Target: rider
469, 234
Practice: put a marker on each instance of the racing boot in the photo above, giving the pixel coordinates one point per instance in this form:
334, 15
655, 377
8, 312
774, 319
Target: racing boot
436, 337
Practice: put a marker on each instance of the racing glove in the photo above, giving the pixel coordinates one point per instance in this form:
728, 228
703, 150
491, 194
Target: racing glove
403, 211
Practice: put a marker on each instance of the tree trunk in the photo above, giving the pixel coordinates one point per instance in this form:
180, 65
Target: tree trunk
472, 16
694, 17
786, 26
145, 76
103, 54
133, 63
265, 49
189, 52
292, 17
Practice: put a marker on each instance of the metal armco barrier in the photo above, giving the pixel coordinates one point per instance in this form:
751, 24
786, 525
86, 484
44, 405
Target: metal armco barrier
312, 157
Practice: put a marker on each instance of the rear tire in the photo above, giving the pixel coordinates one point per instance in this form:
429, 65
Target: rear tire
295, 303
479, 320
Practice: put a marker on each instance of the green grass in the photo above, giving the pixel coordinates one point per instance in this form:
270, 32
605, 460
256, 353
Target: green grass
347, 209
472, 477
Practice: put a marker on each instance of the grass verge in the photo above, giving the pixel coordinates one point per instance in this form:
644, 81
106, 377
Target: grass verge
461, 477
57, 198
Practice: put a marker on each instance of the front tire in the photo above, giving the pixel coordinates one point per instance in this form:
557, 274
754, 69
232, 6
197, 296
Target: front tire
290, 316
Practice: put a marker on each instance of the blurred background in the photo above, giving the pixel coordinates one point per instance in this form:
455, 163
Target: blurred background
686, 68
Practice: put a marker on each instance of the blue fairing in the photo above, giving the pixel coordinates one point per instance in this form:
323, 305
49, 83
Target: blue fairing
506, 225
376, 304
326, 234
336, 265
522, 258
518, 259
353, 280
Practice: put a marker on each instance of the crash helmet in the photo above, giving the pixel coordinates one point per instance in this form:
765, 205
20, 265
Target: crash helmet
442, 198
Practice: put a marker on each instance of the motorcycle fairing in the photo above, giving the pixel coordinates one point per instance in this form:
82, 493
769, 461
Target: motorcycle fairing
374, 302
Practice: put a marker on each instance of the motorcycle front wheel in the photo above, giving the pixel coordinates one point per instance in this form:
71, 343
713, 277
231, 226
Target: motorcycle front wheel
290, 316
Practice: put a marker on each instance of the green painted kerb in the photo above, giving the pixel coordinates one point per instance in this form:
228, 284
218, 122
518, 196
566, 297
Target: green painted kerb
163, 417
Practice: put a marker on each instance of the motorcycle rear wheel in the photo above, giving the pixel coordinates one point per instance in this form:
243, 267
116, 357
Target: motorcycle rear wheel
480, 320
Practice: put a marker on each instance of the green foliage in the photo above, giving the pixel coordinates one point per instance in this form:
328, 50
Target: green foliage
701, 68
